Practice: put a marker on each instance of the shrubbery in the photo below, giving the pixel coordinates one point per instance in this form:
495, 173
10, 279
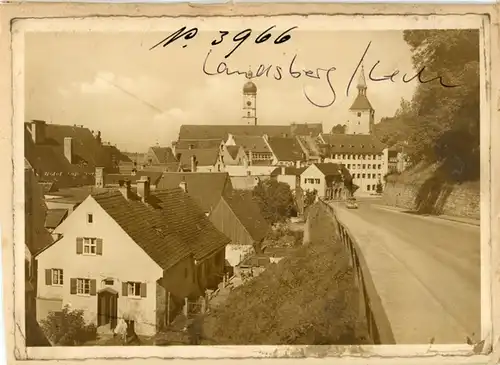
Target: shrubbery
308, 298
68, 328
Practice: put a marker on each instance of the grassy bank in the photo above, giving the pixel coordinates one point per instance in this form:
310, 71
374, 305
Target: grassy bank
308, 298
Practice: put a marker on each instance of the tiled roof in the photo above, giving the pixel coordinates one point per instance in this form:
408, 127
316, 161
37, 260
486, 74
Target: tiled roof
222, 131
74, 195
248, 212
329, 168
54, 217
204, 157
361, 103
48, 156
198, 143
289, 170
114, 179
206, 188
286, 149
252, 143
353, 143
169, 228
164, 154
233, 151
310, 145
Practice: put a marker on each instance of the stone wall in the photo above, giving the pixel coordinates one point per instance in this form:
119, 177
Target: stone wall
435, 197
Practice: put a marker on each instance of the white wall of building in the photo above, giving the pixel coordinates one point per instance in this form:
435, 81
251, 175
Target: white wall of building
313, 179
122, 259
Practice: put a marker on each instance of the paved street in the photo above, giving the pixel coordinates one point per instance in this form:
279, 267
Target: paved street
441, 264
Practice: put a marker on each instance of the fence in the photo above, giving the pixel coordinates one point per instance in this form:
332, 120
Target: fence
370, 305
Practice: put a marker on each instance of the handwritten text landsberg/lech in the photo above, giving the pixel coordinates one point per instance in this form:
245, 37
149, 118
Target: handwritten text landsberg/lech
278, 72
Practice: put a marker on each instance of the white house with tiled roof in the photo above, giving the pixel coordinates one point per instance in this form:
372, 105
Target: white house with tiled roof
362, 117
122, 254
363, 155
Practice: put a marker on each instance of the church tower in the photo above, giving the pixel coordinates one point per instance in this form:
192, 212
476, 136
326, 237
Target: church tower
250, 102
362, 117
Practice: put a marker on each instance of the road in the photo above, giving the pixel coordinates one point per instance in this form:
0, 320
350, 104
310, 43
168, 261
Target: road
443, 256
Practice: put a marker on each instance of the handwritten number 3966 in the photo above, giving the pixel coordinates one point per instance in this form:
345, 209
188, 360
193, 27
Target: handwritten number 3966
239, 38
245, 34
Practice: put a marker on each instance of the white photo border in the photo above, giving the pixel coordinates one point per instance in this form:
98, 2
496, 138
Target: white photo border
486, 21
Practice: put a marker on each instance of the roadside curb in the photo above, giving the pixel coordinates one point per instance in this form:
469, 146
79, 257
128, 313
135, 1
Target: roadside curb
468, 221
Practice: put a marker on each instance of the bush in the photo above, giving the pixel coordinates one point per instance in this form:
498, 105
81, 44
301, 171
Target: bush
380, 188
275, 200
68, 328
308, 298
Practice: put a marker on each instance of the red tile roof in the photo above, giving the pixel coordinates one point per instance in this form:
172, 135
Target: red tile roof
353, 143
169, 227
286, 149
248, 212
222, 131
206, 188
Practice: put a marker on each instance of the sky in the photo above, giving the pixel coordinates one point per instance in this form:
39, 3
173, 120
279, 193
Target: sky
137, 97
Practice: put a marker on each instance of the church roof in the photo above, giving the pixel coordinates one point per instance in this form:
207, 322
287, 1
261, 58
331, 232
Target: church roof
361, 103
250, 88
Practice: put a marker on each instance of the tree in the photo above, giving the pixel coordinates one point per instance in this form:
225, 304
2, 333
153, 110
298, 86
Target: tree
275, 200
68, 328
338, 129
380, 188
310, 197
441, 124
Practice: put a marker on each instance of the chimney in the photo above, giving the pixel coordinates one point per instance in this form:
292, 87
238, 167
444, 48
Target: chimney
99, 177
143, 188
68, 149
282, 170
125, 189
297, 164
38, 131
98, 137
193, 163
183, 186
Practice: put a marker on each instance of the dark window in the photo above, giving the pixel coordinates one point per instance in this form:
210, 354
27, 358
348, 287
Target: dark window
90, 218
359, 114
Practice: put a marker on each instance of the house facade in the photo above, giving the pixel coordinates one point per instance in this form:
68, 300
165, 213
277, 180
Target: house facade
122, 255
366, 158
239, 217
327, 179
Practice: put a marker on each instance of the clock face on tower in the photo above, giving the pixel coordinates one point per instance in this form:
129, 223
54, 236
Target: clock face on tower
249, 103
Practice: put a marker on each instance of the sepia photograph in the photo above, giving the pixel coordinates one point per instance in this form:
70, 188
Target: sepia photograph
252, 182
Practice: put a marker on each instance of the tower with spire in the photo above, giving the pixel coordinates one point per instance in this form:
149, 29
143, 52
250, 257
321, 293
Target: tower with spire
250, 101
362, 117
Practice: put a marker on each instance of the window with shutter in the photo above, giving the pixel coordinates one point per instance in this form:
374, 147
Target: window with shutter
134, 289
72, 289
79, 245
48, 276
99, 246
